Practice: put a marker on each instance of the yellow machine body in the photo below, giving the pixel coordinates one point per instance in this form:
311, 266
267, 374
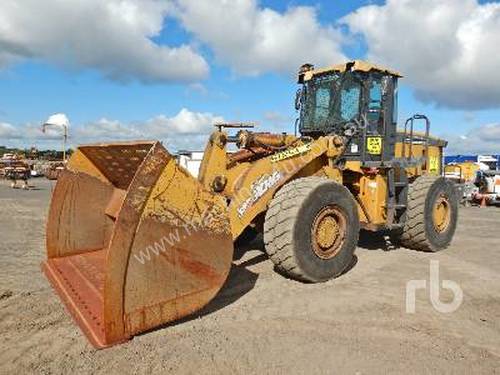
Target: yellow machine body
134, 241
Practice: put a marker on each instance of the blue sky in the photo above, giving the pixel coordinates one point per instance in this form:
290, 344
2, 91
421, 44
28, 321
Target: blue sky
53, 74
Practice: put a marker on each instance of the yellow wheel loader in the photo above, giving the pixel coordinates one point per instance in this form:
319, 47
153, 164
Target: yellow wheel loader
134, 241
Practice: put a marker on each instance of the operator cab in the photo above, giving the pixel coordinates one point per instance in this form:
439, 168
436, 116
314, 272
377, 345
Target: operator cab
357, 100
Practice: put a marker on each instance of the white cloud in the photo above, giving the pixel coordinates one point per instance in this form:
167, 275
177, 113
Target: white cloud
7, 131
484, 139
198, 88
112, 36
489, 133
254, 40
185, 122
185, 130
26, 132
447, 48
104, 129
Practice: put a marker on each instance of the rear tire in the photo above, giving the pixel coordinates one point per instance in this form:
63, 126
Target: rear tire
432, 214
311, 229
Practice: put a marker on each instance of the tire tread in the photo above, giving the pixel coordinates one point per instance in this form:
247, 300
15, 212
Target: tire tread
413, 235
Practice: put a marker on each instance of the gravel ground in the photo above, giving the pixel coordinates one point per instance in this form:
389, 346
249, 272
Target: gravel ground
262, 322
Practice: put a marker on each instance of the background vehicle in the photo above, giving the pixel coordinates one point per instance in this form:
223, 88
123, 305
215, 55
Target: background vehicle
13, 168
477, 181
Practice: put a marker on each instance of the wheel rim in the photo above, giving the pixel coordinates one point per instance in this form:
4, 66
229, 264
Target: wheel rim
441, 214
328, 232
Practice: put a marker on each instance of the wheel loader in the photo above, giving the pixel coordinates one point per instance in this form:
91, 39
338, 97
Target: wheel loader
135, 242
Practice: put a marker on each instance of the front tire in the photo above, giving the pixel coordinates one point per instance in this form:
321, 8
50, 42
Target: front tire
311, 229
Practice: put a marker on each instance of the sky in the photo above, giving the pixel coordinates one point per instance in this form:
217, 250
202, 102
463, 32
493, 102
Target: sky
169, 69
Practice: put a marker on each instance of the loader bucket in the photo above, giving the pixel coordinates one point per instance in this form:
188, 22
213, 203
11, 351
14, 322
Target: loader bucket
133, 240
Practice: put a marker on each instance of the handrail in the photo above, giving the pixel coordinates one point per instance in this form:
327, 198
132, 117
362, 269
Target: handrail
411, 121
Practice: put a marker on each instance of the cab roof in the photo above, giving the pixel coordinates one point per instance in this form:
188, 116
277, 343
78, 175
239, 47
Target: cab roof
307, 71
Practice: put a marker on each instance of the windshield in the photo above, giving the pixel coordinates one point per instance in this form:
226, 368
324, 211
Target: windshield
325, 106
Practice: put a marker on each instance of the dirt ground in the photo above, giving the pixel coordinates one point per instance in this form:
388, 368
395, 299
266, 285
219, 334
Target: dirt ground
262, 322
